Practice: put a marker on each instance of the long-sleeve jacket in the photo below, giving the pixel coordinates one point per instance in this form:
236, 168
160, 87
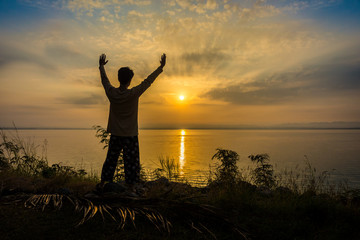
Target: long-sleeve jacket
123, 115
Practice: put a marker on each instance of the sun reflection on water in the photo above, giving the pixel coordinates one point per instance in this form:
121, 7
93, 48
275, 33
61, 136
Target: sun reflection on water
182, 151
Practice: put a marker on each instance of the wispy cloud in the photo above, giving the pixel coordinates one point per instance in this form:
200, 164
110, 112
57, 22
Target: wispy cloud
15, 53
250, 54
84, 99
328, 77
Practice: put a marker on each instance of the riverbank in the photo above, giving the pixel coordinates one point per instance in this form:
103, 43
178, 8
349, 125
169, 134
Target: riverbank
38, 201
170, 210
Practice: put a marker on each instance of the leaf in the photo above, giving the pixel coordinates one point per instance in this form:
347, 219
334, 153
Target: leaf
132, 216
105, 208
211, 233
123, 216
101, 212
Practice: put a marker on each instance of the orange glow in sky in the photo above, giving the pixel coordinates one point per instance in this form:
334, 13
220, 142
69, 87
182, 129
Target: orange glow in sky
241, 63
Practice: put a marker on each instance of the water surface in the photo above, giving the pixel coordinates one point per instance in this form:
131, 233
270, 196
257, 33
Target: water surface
337, 151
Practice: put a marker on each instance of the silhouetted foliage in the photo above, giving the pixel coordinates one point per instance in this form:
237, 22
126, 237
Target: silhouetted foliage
227, 171
194, 213
21, 154
119, 171
263, 174
313, 181
59, 169
169, 169
104, 137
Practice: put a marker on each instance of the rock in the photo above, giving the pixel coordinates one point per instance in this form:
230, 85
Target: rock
160, 181
309, 193
283, 190
63, 191
247, 185
264, 191
91, 195
115, 187
355, 201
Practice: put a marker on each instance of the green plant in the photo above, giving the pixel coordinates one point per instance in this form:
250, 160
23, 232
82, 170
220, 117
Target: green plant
21, 154
290, 179
105, 139
198, 218
263, 174
89, 209
119, 171
103, 135
169, 169
313, 181
227, 171
59, 169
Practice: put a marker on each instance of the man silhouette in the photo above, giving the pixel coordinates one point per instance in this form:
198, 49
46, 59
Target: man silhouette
123, 122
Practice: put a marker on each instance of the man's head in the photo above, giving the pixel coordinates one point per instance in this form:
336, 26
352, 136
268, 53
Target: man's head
125, 75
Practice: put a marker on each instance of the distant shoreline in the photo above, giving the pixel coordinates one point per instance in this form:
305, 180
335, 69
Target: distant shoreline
197, 128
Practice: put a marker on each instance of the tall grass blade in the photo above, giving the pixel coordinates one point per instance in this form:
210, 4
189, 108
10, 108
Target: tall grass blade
197, 229
211, 233
132, 216
106, 208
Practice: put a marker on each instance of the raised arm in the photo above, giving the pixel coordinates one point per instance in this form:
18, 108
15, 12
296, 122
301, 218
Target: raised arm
151, 78
163, 60
104, 79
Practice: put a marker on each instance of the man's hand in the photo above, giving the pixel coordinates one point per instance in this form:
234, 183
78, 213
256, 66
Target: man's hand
163, 60
102, 60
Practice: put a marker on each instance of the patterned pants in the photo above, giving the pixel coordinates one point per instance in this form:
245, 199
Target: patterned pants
130, 148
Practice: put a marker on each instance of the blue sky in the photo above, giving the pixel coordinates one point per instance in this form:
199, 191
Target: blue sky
238, 63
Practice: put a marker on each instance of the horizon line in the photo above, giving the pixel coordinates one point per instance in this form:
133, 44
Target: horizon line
194, 128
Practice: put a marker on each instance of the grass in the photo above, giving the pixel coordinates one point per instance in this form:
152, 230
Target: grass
46, 202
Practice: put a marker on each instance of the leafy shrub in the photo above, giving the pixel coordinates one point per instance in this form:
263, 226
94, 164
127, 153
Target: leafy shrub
119, 171
21, 154
227, 171
63, 170
263, 174
103, 135
105, 139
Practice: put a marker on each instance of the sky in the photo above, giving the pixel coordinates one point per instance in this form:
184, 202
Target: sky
237, 63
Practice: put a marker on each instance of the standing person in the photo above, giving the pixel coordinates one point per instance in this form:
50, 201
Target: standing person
123, 122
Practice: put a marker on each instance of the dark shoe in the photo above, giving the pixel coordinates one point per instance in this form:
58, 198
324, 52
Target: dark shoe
137, 188
131, 194
92, 195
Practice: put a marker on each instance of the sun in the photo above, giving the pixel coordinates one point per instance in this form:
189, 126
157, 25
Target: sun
181, 97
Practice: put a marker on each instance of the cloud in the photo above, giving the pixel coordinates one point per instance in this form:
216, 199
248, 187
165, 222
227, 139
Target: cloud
321, 78
136, 2
207, 57
42, 4
312, 4
199, 6
83, 99
15, 53
323, 82
68, 56
264, 96
199, 62
80, 7
259, 10
244, 52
